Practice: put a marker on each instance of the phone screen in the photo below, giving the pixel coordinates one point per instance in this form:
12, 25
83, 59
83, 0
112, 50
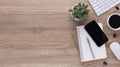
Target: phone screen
96, 33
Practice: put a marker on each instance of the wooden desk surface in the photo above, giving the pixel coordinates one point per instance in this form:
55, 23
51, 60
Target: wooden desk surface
39, 33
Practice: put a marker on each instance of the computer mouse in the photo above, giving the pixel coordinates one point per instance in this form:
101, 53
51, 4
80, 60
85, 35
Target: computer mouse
115, 47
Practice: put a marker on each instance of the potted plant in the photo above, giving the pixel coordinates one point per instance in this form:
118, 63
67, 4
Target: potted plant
79, 12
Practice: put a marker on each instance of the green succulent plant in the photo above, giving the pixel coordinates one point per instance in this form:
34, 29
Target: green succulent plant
80, 11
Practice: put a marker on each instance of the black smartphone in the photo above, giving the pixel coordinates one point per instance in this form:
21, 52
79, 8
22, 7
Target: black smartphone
96, 33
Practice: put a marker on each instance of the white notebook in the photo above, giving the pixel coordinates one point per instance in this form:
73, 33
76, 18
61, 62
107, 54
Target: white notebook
89, 50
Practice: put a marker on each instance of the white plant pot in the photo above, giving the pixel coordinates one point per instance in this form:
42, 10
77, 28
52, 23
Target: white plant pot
76, 19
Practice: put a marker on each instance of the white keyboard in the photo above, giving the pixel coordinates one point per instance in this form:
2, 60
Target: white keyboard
101, 6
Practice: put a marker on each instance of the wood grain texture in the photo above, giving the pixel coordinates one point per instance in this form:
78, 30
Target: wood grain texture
40, 33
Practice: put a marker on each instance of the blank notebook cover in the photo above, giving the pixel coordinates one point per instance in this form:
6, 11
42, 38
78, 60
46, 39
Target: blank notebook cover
84, 46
